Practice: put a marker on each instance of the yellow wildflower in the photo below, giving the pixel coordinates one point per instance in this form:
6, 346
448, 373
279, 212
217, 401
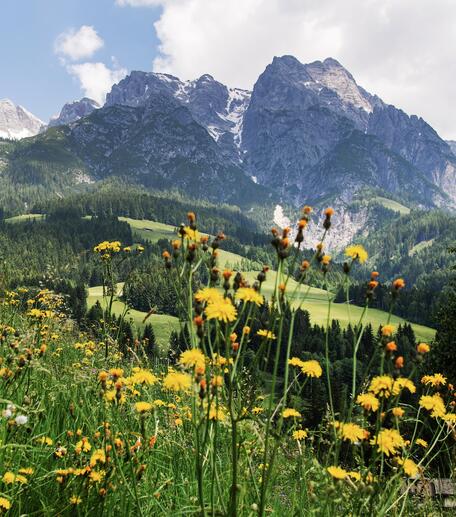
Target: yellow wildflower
433, 403
300, 434
351, 432
268, 334
177, 381
311, 368
193, 358
248, 294
142, 376
368, 401
5, 504
388, 441
421, 442
295, 361
381, 386
222, 310
387, 330
290, 412
357, 252
435, 380
143, 407
209, 295
337, 472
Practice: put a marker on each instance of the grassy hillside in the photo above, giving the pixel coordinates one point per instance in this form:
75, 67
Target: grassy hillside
316, 301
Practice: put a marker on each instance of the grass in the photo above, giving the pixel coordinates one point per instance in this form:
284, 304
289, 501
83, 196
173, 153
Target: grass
24, 217
420, 247
392, 205
163, 324
316, 300
153, 231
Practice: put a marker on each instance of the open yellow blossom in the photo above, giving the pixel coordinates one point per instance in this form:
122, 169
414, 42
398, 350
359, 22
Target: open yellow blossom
222, 310
142, 376
410, 467
368, 401
311, 368
435, 380
193, 358
268, 334
192, 235
337, 472
209, 295
5, 504
402, 383
421, 442
143, 407
295, 361
388, 441
351, 432
300, 434
176, 381
434, 404
217, 413
290, 412
357, 252
257, 410
397, 412
381, 386
98, 456
248, 294
9, 478
75, 500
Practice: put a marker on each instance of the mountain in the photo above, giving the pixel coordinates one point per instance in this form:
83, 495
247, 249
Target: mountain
16, 122
73, 111
307, 123
452, 144
306, 133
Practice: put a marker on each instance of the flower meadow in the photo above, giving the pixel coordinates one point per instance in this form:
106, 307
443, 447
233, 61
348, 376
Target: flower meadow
88, 427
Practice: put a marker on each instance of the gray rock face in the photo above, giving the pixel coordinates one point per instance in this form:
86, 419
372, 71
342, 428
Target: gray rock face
16, 122
311, 133
214, 106
73, 111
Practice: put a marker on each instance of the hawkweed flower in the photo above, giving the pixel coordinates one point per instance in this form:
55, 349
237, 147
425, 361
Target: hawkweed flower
423, 348
388, 441
357, 252
291, 413
222, 310
337, 472
435, 380
368, 401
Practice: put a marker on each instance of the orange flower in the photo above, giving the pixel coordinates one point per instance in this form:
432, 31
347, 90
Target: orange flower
423, 348
399, 283
399, 363
329, 212
391, 346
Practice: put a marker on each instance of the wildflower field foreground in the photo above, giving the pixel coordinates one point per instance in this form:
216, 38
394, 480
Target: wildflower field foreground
227, 425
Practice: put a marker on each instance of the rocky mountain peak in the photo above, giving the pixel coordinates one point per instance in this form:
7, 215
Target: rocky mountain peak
16, 122
73, 111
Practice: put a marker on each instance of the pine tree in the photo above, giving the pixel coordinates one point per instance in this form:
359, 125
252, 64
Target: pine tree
442, 358
149, 341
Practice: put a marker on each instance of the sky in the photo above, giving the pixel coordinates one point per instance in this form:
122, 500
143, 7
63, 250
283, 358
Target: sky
54, 51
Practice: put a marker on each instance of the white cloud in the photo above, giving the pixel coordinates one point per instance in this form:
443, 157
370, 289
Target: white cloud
140, 3
401, 50
96, 79
78, 44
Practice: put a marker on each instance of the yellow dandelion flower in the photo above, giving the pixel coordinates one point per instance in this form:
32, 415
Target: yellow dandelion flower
257, 410
143, 407
311, 368
356, 476
381, 386
357, 252
248, 294
368, 401
209, 295
193, 358
75, 500
176, 381
409, 467
421, 442
397, 412
300, 434
402, 383
267, 334
351, 432
5, 504
98, 456
222, 310
9, 478
143, 376
435, 380
434, 404
295, 361
290, 412
337, 472
192, 235
388, 441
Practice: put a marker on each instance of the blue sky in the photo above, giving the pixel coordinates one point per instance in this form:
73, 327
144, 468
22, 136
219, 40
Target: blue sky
401, 50
32, 75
